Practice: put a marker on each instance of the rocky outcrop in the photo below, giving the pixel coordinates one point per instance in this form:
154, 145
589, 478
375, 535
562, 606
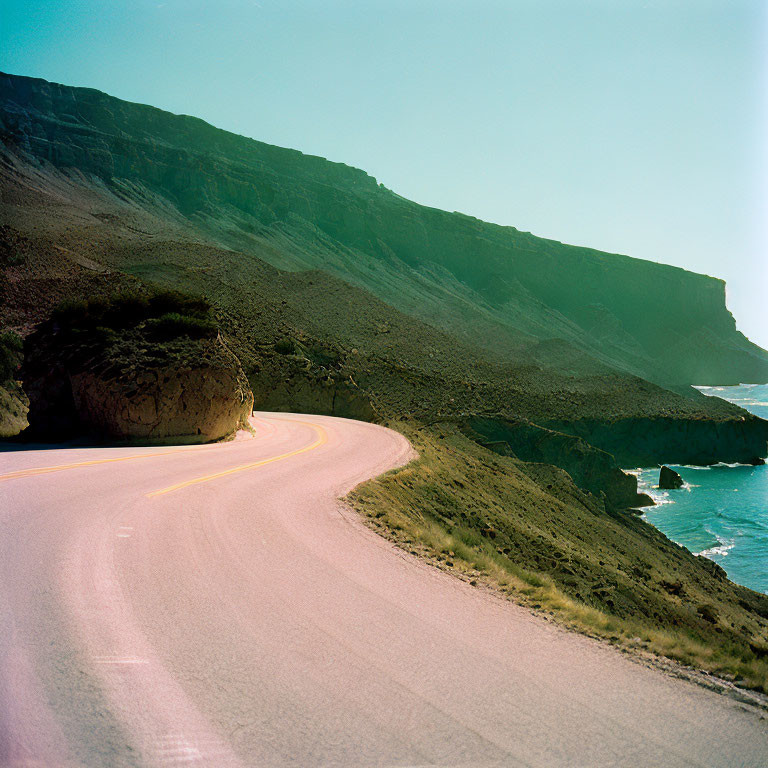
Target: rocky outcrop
669, 479
188, 401
645, 442
591, 469
146, 367
177, 404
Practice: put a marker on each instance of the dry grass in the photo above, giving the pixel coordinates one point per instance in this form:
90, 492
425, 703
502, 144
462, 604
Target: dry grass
471, 511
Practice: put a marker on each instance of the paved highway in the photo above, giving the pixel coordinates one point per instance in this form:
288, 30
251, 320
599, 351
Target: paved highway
218, 606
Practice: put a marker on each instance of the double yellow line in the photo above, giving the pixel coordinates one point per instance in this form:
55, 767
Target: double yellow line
58, 468
321, 439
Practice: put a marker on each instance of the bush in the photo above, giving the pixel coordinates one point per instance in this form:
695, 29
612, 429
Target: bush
168, 302
707, 612
167, 313
127, 310
71, 313
11, 347
285, 347
172, 325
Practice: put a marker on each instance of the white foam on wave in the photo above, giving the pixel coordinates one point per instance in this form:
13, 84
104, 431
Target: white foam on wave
659, 496
722, 549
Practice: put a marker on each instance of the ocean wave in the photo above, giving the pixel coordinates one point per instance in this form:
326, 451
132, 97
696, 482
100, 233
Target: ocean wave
659, 497
722, 548
735, 464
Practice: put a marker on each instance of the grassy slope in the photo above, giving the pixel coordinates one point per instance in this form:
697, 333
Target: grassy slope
534, 535
13, 409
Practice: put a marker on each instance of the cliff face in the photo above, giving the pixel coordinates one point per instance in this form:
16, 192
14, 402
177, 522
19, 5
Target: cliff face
192, 405
592, 469
642, 442
493, 286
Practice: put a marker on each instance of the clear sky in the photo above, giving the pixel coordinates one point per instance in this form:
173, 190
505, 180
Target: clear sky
635, 127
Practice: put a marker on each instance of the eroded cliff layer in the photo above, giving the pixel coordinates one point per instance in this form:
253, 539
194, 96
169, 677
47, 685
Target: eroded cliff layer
494, 286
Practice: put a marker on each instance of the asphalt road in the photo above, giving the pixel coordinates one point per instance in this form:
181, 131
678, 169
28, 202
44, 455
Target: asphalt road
218, 606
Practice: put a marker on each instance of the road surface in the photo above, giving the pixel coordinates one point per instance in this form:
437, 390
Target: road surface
218, 606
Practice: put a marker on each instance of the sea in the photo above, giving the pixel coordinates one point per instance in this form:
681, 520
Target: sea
722, 511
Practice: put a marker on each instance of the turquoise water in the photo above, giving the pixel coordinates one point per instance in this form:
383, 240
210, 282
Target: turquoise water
722, 511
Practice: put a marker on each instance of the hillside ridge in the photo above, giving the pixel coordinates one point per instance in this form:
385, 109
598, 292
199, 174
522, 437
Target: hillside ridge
492, 285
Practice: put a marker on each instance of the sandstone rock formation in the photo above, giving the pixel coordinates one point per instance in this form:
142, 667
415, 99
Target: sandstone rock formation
669, 479
180, 403
128, 369
165, 405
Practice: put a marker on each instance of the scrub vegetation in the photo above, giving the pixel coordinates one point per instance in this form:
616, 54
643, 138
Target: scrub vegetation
530, 532
13, 401
135, 327
163, 314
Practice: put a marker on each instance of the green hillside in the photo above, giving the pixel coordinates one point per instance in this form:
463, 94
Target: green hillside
493, 286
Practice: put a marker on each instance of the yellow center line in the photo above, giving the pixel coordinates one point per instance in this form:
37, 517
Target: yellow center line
322, 438
58, 468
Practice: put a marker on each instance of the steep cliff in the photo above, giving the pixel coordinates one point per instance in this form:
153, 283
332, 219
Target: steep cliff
647, 441
493, 286
590, 468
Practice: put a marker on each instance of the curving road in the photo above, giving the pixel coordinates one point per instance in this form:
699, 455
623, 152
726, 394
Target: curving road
218, 606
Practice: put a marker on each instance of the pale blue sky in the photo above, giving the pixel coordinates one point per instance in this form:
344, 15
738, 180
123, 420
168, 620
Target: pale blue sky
635, 127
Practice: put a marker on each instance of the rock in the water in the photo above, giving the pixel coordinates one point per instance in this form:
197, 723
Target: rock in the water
669, 479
